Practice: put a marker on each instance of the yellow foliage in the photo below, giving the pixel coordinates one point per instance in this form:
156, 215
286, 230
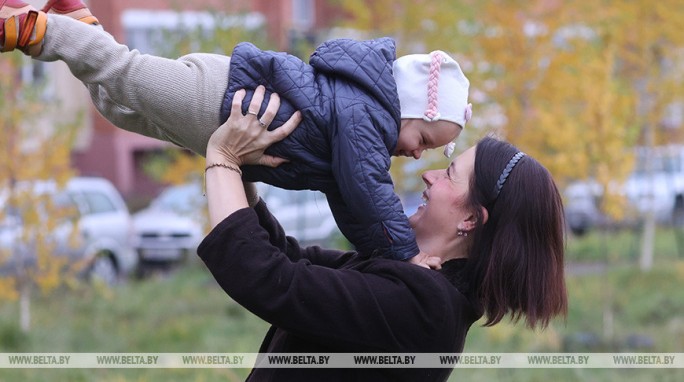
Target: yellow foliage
32, 148
680, 271
50, 268
8, 289
418, 25
183, 168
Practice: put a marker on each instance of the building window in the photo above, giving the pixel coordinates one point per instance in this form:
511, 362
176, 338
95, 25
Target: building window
158, 32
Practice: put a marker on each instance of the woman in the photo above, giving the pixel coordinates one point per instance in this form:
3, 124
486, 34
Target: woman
492, 223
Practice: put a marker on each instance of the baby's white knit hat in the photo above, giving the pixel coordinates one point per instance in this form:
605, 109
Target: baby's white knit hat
433, 87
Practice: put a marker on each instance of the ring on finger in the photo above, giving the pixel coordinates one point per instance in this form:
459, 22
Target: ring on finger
254, 113
262, 123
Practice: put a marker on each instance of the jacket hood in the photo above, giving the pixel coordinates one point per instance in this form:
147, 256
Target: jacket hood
368, 64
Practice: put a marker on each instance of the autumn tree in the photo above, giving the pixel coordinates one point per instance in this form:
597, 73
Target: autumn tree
33, 149
611, 79
648, 48
623, 70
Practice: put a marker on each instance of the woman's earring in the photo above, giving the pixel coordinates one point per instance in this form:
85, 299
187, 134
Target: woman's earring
462, 233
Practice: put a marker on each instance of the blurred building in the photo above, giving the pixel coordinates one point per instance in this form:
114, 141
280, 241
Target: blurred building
118, 155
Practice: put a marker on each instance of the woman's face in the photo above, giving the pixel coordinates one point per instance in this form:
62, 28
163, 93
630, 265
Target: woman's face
444, 199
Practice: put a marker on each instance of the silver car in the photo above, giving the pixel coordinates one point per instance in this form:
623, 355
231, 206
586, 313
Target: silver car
169, 230
304, 215
95, 235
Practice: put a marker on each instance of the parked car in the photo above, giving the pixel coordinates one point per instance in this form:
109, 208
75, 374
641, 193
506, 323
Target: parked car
658, 186
304, 215
169, 230
95, 235
582, 210
658, 189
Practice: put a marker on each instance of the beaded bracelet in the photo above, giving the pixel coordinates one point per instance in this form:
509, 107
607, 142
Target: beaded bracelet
229, 167
212, 165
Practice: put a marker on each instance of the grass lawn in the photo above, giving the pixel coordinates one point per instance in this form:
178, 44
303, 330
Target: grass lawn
184, 312
618, 310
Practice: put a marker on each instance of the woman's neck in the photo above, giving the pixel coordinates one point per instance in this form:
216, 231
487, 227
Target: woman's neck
453, 248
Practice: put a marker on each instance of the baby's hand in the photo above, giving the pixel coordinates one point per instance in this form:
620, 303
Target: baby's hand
424, 260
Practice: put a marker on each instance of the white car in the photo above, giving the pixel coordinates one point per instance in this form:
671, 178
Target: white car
304, 215
169, 230
657, 183
101, 246
657, 189
581, 207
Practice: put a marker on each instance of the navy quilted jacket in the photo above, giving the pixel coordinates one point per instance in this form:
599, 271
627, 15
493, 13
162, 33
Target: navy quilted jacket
351, 118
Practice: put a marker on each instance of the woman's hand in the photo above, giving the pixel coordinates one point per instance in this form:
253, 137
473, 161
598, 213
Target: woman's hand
242, 139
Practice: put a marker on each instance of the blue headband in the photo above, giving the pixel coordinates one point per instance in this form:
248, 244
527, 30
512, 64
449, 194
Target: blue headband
506, 171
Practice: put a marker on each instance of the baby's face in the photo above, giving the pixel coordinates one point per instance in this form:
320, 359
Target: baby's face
417, 135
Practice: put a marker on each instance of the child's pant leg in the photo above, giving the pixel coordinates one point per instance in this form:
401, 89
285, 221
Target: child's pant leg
173, 100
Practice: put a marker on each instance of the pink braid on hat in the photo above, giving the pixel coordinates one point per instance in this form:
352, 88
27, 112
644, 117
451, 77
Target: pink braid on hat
431, 114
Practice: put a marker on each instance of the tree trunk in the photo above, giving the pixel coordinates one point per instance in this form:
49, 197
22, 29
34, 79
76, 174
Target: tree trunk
648, 238
647, 242
25, 306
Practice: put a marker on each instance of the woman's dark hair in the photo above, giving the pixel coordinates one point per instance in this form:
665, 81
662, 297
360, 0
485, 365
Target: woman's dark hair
516, 262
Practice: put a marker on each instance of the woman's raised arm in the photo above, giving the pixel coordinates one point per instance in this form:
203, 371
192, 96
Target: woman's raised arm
241, 140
